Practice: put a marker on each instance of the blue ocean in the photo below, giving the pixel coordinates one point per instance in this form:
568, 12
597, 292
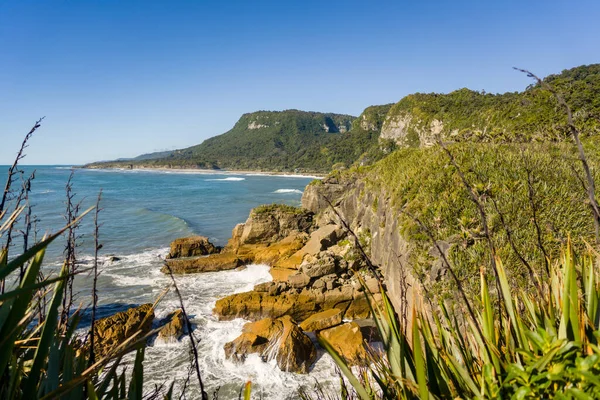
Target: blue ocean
142, 211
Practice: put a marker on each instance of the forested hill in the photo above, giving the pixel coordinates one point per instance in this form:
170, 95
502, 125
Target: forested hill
288, 141
299, 141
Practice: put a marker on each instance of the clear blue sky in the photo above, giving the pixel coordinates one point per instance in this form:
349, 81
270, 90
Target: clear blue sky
120, 78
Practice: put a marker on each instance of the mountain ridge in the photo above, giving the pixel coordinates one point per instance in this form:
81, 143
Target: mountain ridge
305, 141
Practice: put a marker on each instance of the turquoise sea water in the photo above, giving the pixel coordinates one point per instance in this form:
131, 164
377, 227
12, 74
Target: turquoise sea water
142, 212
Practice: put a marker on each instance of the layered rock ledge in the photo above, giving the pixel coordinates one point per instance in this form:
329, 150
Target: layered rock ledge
317, 273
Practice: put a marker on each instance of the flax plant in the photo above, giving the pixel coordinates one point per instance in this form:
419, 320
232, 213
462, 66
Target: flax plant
38, 360
538, 346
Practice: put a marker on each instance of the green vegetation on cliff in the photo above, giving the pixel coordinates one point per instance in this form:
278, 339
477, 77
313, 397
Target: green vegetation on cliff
520, 186
531, 115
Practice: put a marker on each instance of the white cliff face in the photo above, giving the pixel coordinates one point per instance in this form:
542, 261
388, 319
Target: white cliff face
256, 125
428, 138
398, 128
367, 125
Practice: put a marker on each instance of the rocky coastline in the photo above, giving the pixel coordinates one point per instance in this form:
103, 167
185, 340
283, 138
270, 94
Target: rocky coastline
319, 281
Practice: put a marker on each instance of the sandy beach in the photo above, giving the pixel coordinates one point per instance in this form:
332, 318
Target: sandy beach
212, 171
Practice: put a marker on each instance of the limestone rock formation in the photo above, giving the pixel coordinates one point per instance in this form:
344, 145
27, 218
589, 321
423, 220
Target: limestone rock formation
323, 320
211, 263
280, 339
111, 331
271, 223
192, 246
173, 329
347, 340
378, 226
299, 305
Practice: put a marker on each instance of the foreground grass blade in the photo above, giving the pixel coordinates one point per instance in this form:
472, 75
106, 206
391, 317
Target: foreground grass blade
48, 334
343, 366
247, 390
419, 358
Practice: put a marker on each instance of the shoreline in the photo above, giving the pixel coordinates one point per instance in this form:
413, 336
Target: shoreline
211, 171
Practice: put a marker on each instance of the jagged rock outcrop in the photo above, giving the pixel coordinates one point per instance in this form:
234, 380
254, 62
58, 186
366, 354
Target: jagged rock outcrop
347, 340
377, 227
192, 246
270, 234
319, 275
317, 192
112, 331
280, 339
174, 328
271, 223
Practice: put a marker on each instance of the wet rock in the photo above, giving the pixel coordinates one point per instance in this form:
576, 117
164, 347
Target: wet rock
295, 351
246, 343
280, 339
114, 259
347, 340
112, 331
173, 330
191, 247
211, 263
323, 320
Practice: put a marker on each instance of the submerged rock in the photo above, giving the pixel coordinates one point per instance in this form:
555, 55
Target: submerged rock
280, 339
192, 246
111, 331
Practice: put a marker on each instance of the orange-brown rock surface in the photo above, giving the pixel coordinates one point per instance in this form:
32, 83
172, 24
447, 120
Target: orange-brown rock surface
347, 340
280, 339
173, 329
192, 246
111, 331
323, 320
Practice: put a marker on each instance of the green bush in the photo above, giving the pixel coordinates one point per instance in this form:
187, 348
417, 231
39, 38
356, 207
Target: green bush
519, 185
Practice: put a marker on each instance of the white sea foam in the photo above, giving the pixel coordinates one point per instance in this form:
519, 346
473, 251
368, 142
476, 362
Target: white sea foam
285, 175
288, 191
231, 178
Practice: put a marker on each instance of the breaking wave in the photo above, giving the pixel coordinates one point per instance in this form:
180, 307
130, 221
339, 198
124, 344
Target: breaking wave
288, 191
